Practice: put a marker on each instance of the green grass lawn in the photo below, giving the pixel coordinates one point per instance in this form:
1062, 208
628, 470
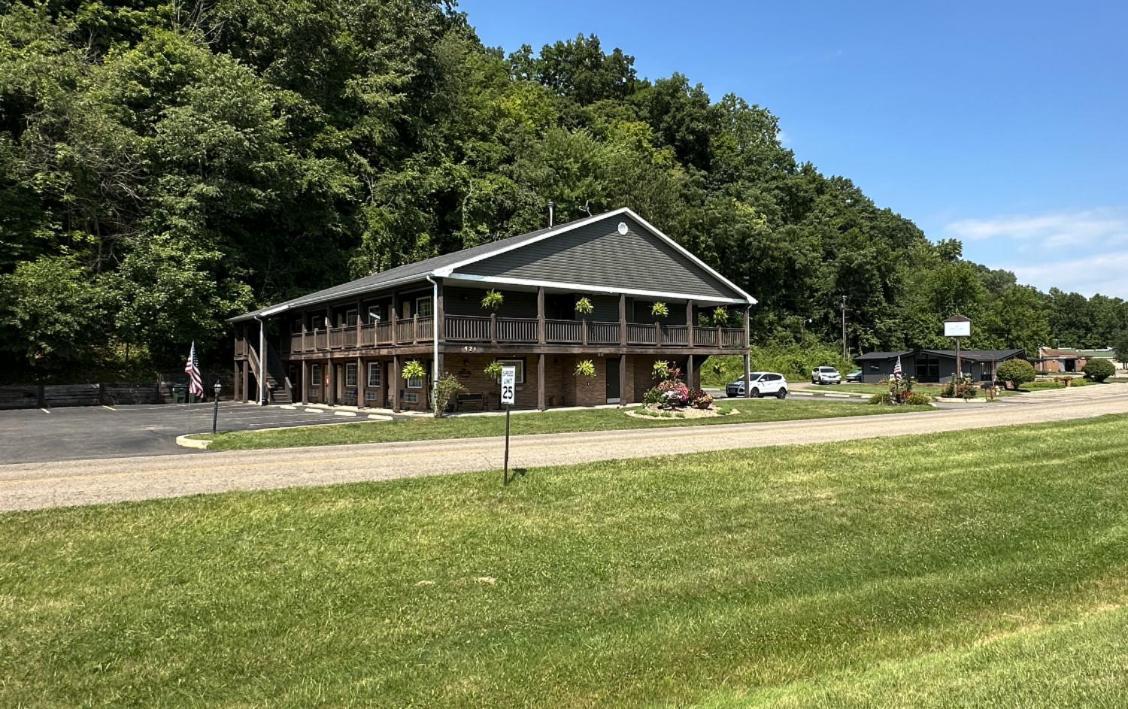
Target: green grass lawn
415, 429
976, 568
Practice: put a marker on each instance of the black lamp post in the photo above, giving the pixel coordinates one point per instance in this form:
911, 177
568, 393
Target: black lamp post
215, 409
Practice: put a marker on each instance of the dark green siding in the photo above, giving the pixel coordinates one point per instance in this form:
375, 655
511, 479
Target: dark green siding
598, 255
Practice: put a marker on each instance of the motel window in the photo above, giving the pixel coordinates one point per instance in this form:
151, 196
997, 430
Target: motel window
410, 398
519, 364
315, 375
415, 383
350, 318
375, 373
374, 314
423, 307
350, 374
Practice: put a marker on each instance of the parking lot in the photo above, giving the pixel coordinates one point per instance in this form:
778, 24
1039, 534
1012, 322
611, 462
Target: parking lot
71, 433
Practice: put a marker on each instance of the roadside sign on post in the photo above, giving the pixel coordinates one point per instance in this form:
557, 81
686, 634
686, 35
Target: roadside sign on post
508, 397
508, 385
957, 327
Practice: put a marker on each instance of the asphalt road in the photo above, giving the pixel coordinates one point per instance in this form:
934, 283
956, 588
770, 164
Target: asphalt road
39, 485
82, 432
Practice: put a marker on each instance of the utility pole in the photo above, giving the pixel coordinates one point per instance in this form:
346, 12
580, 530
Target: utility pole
845, 352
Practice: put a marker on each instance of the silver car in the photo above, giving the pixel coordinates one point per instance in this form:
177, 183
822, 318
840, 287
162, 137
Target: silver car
825, 375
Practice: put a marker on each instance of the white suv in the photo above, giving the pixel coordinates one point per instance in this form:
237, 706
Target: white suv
763, 384
825, 375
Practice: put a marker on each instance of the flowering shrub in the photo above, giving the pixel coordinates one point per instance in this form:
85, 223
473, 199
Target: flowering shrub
660, 310
674, 392
584, 306
698, 399
652, 396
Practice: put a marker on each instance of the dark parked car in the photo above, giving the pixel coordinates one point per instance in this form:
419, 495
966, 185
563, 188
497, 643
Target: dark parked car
855, 376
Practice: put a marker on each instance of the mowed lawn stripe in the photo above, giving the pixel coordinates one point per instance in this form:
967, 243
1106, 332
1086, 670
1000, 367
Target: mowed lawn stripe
428, 428
915, 570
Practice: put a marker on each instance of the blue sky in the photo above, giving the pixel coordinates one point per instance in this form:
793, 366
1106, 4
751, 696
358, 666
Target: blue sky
1004, 124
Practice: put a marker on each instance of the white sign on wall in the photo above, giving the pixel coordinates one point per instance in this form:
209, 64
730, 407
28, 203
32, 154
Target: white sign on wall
957, 328
508, 385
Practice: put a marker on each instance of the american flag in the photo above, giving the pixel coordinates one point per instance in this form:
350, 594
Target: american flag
897, 368
192, 369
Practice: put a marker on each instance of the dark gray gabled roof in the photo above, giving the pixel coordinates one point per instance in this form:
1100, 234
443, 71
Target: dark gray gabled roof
406, 273
978, 355
870, 356
446, 264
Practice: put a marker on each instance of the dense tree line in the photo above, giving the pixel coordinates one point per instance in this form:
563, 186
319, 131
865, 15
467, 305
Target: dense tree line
167, 164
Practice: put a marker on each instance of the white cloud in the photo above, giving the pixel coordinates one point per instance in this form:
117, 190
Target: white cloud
1104, 273
1093, 228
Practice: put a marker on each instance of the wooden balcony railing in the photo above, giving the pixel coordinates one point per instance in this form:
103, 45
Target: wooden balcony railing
603, 333
478, 328
638, 334
563, 331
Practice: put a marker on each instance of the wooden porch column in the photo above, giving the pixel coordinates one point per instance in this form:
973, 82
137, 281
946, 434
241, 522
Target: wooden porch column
541, 394
305, 382
358, 331
747, 375
689, 322
361, 381
392, 315
395, 383
622, 320
747, 327
540, 320
623, 398
235, 383
246, 365
304, 346
331, 387
438, 314
493, 328
689, 372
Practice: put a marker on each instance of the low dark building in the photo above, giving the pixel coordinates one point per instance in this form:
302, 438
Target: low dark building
934, 366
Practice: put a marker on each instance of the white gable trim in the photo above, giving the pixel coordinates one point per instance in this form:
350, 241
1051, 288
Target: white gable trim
588, 288
447, 271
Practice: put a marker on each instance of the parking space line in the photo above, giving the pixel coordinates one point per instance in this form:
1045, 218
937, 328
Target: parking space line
45, 411
108, 408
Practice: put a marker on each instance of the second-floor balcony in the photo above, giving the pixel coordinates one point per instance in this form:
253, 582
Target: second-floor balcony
491, 329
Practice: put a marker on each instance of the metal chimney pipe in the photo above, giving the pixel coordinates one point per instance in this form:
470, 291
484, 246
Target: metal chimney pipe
551, 213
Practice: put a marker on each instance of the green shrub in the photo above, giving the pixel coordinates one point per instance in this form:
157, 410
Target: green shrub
652, 396
1016, 372
960, 389
1098, 369
917, 399
794, 361
445, 389
884, 398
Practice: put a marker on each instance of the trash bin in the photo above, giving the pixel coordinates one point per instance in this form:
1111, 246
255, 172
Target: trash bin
179, 393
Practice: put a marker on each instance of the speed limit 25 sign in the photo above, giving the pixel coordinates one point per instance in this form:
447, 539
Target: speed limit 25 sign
508, 385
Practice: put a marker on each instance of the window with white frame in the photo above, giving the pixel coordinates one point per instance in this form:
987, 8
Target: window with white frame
423, 307
350, 374
315, 375
375, 374
350, 318
375, 314
410, 398
519, 364
415, 383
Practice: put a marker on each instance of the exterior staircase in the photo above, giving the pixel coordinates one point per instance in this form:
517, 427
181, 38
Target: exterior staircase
278, 385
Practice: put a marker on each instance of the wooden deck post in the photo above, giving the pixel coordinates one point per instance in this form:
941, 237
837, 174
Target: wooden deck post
540, 318
304, 346
541, 394
305, 382
393, 314
622, 320
438, 314
689, 372
493, 328
689, 322
623, 398
359, 344
747, 375
360, 383
747, 327
415, 329
658, 333
243, 380
331, 388
395, 383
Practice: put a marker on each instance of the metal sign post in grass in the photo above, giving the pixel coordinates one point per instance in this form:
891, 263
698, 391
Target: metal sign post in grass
508, 396
957, 327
